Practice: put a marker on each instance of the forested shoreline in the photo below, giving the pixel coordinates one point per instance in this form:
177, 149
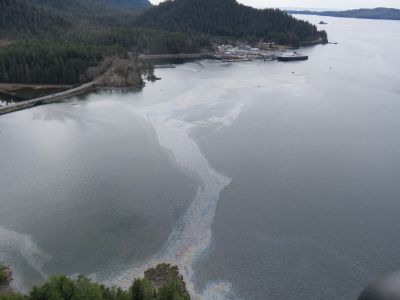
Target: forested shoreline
55, 42
229, 19
160, 283
47, 45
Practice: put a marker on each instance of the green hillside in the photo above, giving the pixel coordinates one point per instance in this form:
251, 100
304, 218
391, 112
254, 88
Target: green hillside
229, 19
21, 16
56, 41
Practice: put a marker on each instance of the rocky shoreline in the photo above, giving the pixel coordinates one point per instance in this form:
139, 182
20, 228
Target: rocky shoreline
112, 73
5, 278
165, 274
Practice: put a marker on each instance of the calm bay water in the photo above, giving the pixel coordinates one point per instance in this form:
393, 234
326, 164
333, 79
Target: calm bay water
260, 180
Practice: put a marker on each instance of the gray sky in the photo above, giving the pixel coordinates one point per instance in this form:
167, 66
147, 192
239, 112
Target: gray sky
325, 4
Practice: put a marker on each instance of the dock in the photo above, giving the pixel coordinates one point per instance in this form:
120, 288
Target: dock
178, 55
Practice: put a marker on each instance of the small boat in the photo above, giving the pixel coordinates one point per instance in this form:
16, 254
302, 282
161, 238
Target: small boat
323, 23
292, 57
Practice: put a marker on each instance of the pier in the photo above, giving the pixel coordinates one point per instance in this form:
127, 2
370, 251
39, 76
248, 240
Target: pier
87, 87
178, 55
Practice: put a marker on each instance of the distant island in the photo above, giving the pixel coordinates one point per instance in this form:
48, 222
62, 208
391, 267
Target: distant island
379, 13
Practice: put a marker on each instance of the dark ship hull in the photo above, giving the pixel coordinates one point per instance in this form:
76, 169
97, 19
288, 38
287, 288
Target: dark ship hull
292, 57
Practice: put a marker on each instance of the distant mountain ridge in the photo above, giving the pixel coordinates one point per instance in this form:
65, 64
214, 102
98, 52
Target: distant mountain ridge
127, 3
82, 5
228, 18
379, 13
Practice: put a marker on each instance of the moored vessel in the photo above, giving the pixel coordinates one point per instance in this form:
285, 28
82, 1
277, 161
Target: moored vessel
292, 57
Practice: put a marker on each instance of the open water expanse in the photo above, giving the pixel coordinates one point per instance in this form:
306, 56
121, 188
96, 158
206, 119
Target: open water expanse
260, 180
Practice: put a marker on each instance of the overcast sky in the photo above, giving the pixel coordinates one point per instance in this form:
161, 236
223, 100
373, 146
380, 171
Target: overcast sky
324, 4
